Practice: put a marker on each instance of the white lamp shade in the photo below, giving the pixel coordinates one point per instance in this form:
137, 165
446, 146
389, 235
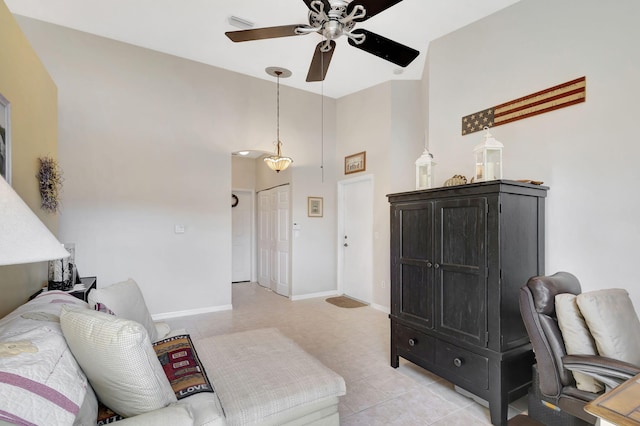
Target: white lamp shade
23, 237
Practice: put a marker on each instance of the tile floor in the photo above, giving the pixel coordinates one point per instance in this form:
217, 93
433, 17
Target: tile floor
355, 344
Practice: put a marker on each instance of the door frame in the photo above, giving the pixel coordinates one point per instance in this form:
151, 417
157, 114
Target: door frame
254, 244
340, 228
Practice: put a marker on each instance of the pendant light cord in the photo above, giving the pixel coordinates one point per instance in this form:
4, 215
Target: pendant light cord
278, 112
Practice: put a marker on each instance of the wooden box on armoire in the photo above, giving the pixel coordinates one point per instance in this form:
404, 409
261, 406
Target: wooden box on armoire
459, 256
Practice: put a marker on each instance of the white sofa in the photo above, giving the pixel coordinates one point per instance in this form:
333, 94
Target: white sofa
55, 351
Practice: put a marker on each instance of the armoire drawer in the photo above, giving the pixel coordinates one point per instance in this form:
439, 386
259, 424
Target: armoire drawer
414, 342
467, 366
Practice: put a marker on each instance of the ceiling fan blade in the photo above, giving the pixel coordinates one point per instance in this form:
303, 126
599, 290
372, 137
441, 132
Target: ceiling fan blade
372, 7
320, 62
262, 33
384, 48
327, 5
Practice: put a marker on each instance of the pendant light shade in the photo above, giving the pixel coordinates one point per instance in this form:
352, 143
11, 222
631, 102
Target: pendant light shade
277, 162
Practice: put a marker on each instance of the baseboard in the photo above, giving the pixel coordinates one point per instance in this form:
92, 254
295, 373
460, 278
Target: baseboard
190, 312
314, 295
382, 308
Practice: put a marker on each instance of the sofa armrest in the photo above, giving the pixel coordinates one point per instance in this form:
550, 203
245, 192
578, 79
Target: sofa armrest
609, 371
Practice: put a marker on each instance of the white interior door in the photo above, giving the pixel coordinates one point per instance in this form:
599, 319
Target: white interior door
274, 221
356, 238
264, 239
241, 236
282, 240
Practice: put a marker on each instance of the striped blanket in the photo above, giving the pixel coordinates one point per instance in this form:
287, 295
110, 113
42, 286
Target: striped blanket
40, 380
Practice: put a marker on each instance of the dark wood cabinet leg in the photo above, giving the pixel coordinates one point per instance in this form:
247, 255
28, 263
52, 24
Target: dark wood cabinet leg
498, 398
498, 408
395, 359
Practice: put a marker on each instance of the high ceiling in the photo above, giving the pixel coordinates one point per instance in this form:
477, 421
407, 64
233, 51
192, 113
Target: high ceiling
194, 29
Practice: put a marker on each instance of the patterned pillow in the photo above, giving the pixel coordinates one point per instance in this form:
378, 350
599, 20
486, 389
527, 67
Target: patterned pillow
182, 366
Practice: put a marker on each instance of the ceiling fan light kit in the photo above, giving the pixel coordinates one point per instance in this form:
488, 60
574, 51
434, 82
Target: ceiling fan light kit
333, 19
277, 162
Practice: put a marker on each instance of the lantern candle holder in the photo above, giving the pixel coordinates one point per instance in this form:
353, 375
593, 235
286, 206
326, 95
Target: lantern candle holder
424, 170
488, 159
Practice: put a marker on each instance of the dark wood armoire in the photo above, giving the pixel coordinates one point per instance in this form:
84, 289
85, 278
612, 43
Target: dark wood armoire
459, 256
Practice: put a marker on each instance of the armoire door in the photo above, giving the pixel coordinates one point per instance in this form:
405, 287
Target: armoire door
460, 268
412, 252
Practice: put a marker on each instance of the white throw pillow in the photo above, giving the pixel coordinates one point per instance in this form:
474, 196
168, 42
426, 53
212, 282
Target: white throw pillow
118, 358
613, 323
577, 338
126, 301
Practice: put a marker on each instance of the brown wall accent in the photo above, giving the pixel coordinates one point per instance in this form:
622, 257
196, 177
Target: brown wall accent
33, 96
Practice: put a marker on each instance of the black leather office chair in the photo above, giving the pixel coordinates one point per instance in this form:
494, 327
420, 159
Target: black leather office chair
556, 383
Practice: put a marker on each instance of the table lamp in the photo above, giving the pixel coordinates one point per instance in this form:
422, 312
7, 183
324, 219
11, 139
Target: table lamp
23, 237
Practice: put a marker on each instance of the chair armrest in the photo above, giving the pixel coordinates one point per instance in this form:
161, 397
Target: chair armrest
609, 371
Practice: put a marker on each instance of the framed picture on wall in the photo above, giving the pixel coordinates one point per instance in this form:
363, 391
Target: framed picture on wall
5, 139
314, 206
355, 163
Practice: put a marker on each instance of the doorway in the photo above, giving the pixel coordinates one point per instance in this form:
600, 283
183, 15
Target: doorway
274, 239
355, 238
242, 224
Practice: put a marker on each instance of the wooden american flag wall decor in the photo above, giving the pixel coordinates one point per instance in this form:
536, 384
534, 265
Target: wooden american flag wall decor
560, 96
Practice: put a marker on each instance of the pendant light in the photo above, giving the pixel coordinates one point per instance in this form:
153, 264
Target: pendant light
277, 162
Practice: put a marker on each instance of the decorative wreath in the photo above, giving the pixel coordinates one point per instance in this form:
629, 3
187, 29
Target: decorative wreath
234, 200
50, 179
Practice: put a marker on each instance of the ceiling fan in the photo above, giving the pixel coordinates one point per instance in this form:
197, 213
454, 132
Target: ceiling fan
333, 19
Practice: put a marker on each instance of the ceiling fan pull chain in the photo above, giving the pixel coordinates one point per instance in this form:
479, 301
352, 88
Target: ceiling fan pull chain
322, 122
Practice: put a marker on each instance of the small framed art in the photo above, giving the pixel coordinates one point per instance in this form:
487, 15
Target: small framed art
355, 163
314, 206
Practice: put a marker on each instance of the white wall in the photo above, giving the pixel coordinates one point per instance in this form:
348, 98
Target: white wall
314, 245
587, 153
243, 173
386, 122
145, 144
